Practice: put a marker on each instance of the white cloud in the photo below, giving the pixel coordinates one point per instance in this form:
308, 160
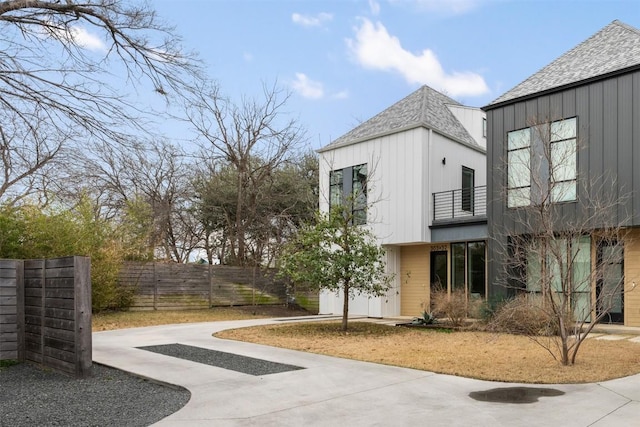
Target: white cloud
374, 7
87, 40
374, 48
307, 88
343, 94
311, 20
455, 7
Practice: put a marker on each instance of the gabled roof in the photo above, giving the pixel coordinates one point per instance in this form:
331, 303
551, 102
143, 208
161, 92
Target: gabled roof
614, 48
425, 107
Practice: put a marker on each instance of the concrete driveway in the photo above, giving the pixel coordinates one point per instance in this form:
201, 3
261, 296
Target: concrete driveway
330, 391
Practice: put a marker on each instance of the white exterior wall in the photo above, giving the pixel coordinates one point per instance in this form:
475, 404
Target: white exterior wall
471, 118
404, 170
397, 186
448, 176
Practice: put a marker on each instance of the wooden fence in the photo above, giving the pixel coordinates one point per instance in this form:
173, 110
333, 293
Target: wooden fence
11, 309
53, 313
170, 286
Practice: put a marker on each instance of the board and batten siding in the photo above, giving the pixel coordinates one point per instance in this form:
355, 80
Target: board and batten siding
608, 114
397, 185
414, 280
445, 167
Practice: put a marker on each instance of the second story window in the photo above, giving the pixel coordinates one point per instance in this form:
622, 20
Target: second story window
468, 184
349, 185
563, 168
542, 164
518, 168
335, 188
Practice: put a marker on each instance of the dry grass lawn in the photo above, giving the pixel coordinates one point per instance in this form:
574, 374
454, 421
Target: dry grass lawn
487, 356
134, 319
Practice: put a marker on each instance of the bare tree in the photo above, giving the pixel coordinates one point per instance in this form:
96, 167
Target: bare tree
255, 138
562, 242
154, 179
63, 65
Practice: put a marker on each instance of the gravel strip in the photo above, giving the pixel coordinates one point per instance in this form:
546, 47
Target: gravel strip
220, 359
31, 396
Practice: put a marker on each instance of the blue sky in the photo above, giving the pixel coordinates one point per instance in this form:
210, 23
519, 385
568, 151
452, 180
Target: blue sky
346, 60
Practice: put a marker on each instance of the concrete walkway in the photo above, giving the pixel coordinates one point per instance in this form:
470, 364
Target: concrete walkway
332, 391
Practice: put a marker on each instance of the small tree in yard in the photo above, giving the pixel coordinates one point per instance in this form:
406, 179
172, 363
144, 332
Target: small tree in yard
335, 255
546, 252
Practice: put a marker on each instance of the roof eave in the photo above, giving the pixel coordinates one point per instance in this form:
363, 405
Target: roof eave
330, 147
562, 87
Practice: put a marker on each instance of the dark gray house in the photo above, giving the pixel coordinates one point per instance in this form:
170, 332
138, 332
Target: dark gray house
567, 138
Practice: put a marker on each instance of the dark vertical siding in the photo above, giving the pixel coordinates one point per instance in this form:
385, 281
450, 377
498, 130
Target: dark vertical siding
625, 147
610, 142
635, 139
608, 113
594, 143
582, 114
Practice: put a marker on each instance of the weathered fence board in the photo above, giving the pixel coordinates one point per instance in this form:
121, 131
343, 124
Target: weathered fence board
51, 310
162, 286
11, 310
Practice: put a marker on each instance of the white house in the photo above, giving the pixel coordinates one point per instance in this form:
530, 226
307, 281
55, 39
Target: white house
422, 165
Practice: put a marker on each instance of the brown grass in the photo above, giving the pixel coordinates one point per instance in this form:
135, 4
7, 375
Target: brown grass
487, 356
133, 319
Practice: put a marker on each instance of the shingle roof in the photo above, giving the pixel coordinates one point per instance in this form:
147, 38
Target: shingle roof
425, 107
614, 48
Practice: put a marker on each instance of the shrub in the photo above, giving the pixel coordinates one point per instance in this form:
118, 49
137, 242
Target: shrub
525, 315
451, 306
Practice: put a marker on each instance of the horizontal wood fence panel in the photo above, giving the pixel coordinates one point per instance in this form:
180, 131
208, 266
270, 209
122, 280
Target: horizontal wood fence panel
164, 286
11, 309
53, 313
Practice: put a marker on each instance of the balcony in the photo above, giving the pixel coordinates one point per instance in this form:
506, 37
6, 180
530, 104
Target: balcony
460, 206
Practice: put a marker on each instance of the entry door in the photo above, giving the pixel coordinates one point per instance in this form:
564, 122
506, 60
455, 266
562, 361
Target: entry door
438, 270
610, 284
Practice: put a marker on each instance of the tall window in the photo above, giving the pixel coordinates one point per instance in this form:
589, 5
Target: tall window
359, 194
553, 169
562, 258
518, 168
468, 183
563, 165
468, 268
349, 185
335, 188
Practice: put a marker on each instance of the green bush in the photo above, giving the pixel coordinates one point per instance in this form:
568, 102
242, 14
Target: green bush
29, 232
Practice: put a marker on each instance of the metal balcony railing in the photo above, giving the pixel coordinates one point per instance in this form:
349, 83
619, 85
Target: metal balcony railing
460, 204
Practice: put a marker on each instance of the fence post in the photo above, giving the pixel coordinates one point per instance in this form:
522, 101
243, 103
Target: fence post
82, 291
155, 287
43, 281
210, 277
20, 309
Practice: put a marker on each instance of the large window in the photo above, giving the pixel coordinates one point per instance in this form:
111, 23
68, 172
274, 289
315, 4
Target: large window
359, 194
563, 165
349, 185
468, 268
545, 155
567, 260
519, 168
